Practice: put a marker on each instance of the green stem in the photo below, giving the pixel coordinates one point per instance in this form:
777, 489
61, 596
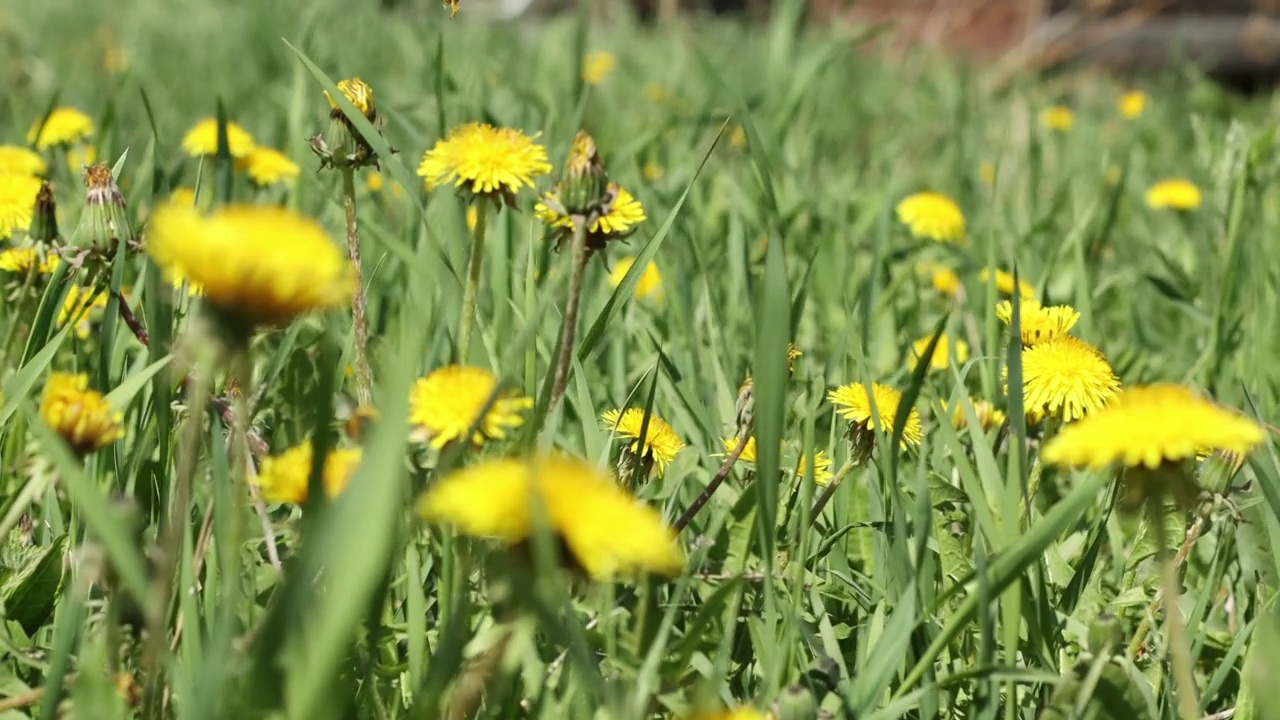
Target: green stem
830, 490
576, 273
474, 265
359, 310
1188, 705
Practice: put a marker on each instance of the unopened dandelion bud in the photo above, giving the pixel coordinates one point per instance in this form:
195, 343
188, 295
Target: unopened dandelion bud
584, 185
104, 222
342, 145
796, 703
44, 220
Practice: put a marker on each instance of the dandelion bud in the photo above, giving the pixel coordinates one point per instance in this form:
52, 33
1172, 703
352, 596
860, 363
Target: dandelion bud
584, 184
44, 220
1105, 633
342, 145
103, 223
796, 703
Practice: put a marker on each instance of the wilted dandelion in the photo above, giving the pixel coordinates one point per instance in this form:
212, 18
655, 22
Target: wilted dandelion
1174, 194
284, 478
941, 359
603, 530
1038, 323
933, 216
597, 66
1066, 378
266, 166
15, 160
202, 139
449, 400
82, 417
104, 223
64, 127
661, 443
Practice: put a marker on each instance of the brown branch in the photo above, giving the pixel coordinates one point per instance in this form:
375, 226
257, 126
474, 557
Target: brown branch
743, 436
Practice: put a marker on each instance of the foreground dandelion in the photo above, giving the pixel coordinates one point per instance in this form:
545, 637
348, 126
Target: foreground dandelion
486, 161
941, 359
1038, 323
1066, 378
284, 478
15, 160
64, 127
202, 139
266, 167
1174, 194
448, 401
870, 410
82, 417
258, 265
661, 443
933, 216
1131, 104
597, 66
17, 201
603, 530
649, 286
1058, 118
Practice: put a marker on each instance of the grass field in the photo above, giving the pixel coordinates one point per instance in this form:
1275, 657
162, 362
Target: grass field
172, 547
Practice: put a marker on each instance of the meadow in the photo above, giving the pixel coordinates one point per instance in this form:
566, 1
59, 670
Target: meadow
369, 363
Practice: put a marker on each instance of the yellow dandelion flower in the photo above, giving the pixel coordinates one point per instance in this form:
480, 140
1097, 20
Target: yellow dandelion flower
284, 477
623, 216
597, 66
748, 451
78, 305
1173, 194
358, 93
987, 173
652, 171
989, 416
932, 215
183, 196
258, 265
17, 202
739, 713
656, 92
81, 417
1058, 118
266, 166
1004, 282
605, 531
22, 260
449, 400
650, 285
1038, 323
822, 474
64, 126
1150, 425
854, 403
945, 281
1132, 103
1065, 377
485, 160
202, 139
941, 359
661, 444
16, 160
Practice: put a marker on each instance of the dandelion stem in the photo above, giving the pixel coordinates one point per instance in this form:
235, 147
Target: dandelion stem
359, 312
744, 435
576, 273
1188, 705
1144, 626
474, 264
829, 491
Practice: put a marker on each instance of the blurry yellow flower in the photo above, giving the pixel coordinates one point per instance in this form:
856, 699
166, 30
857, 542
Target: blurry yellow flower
22, 260
604, 530
1065, 377
485, 160
748, 451
989, 416
597, 66
284, 477
1173, 194
738, 713
660, 440
360, 95
452, 5
656, 92
1036, 322
932, 215
376, 183
737, 137
183, 196
623, 218
1132, 103
65, 126
81, 157
987, 173
258, 265
449, 400
822, 474
1004, 283
202, 139
1058, 117
15, 160
652, 171
77, 306
17, 202
650, 284
1150, 425
81, 417
853, 402
945, 280
266, 166
941, 359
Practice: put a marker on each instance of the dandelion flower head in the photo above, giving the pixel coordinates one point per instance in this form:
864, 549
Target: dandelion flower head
64, 126
1004, 282
484, 159
81, 416
202, 139
1066, 377
1058, 118
941, 359
597, 66
1038, 323
623, 216
988, 415
257, 264
854, 403
358, 93
1132, 103
23, 260
284, 478
748, 453
449, 400
1149, 425
1174, 194
932, 215
822, 474
660, 439
605, 530
266, 166
650, 283
16, 160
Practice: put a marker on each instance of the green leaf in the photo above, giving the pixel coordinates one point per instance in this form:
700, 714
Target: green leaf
29, 595
123, 393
